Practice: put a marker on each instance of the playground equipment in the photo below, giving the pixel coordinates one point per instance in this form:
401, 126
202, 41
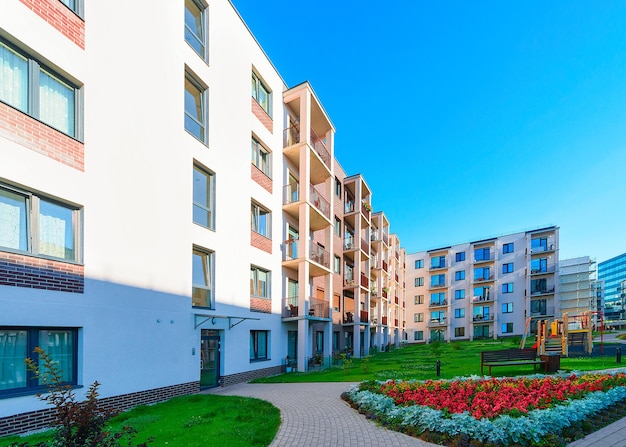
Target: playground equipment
557, 336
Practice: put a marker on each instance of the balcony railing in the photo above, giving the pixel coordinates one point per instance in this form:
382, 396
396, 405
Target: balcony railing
319, 308
385, 293
488, 258
290, 307
541, 271
481, 298
542, 248
441, 265
543, 312
366, 209
483, 278
348, 317
291, 193
437, 322
438, 284
319, 202
291, 136
438, 303
348, 243
348, 207
319, 255
364, 245
386, 238
291, 249
349, 282
542, 291
396, 300
385, 266
365, 281
364, 316
395, 322
483, 318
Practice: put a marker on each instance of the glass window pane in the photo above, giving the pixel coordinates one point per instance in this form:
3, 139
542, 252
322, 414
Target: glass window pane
202, 206
13, 229
56, 231
194, 29
13, 79
60, 346
70, 4
201, 279
262, 344
194, 111
12, 355
56, 103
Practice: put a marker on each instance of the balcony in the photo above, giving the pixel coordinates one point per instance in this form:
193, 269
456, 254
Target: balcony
438, 303
386, 238
482, 318
365, 281
319, 308
366, 209
348, 317
489, 258
385, 292
364, 316
544, 248
542, 291
319, 201
547, 312
396, 300
384, 321
291, 137
439, 266
365, 246
433, 322
349, 283
320, 207
290, 307
348, 243
479, 299
483, 278
438, 285
385, 266
543, 270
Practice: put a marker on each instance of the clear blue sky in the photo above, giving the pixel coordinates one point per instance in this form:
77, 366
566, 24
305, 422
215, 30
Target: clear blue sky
469, 119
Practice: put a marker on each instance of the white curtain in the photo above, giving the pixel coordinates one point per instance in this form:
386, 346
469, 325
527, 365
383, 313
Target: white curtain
59, 344
56, 103
12, 355
13, 79
12, 221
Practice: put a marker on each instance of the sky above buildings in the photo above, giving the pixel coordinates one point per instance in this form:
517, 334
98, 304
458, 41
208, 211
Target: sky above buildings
469, 119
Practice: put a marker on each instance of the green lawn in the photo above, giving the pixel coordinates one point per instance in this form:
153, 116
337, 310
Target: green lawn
201, 420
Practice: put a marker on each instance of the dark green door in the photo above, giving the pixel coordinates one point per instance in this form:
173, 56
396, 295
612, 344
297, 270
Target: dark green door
209, 358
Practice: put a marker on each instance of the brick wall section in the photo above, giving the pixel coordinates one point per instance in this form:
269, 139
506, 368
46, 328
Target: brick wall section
249, 375
259, 176
39, 137
36, 420
262, 115
38, 273
260, 305
260, 242
60, 17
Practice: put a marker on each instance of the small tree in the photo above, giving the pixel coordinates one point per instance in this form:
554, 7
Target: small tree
78, 424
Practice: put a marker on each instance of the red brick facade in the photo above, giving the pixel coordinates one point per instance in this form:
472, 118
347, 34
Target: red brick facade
259, 176
61, 18
262, 116
260, 242
260, 305
38, 273
39, 137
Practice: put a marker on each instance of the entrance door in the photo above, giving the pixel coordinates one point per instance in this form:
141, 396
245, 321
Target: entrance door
209, 358
292, 348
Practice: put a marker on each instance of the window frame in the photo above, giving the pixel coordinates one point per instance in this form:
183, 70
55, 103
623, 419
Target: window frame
507, 328
507, 287
210, 272
257, 85
418, 335
258, 149
32, 341
78, 8
507, 308
508, 268
459, 331
254, 282
33, 97
204, 23
459, 256
418, 299
418, 317
337, 264
210, 207
459, 313
459, 275
255, 221
419, 264
459, 294
508, 248
203, 123
254, 345
419, 281
32, 206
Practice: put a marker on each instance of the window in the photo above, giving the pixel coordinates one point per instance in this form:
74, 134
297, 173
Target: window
335, 341
459, 332
482, 274
337, 226
507, 328
482, 254
437, 262
74, 5
37, 91
18, 343
261, 158
261, 220
507, 248
481, 293
418, 317
437, 280
418, 335
459, 313
419, 299
419, 281
203, 197
337, 264
438, 316
507, 287
438, 299
195, 108
460, 256
36, 225
538, 307
261, 93
460, 275
507, 268
202, 279
539, 244
459, 294
419, 263
259, 282
337, 187
539, 265
195, 27
507, 308
259, 345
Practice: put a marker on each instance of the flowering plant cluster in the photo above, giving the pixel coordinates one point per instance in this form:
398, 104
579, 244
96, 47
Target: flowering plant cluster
557, 402
492, 397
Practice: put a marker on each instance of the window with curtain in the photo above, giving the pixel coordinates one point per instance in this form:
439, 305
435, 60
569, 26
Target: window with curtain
195, 108
261, 220
202, 279
261, 157
37, 91
203, 193
259, 345
195, 26
58, 230
259, 282
261, 93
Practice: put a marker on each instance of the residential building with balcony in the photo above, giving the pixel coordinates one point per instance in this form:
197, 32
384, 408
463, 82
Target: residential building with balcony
200, 234
488, 288
576, 293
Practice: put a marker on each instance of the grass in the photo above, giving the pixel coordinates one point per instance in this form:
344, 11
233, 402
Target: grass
418, 362
197, 420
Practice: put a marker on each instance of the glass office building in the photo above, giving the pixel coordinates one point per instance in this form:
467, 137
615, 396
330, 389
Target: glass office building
612, 272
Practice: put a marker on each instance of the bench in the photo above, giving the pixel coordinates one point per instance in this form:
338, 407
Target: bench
509, 357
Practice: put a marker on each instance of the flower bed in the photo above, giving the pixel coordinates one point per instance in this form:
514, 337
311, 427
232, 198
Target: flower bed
497, 411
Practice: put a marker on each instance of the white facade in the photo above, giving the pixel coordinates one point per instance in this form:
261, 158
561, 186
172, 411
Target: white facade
576, 294
483, 289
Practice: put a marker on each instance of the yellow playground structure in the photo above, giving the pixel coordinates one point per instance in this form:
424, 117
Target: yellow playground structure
557, 336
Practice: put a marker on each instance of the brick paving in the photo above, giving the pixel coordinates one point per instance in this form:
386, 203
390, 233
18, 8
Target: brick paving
313, 414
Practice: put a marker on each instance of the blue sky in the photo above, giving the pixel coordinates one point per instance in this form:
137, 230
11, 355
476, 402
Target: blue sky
469, 119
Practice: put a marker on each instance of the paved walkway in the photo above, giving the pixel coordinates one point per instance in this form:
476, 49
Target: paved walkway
313, 414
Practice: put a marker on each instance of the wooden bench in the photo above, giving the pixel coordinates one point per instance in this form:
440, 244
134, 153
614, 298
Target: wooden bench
509, 357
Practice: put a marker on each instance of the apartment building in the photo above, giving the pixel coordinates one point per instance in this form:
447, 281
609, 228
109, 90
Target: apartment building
576, 292
488, 288
200, 234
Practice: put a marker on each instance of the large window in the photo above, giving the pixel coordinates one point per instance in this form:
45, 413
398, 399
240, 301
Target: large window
261, 157
37, 91
17, 344
482, 254
259, 282
459, 294
459, 313
261, 93
507, 308
203, 197
195, 26
507, 328
482, 274
437, 262
195, 108
459, 332
507, 287
202, 279
437, 280
36, 225
261, 220
259, 345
